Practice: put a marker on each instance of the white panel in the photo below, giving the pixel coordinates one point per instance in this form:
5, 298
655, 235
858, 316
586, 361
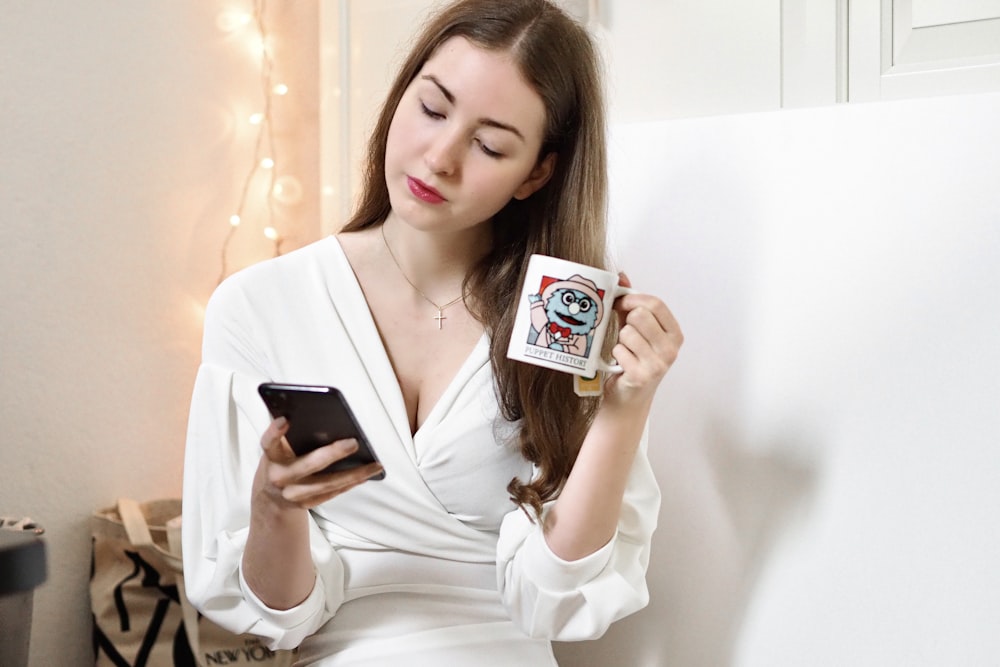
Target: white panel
381, 31
930, 47
941, 12
334, 182
813, 52
678, 59
363, 42
891, 57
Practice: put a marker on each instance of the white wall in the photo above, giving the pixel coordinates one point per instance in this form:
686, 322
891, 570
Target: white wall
827, 442
121, 159
684, 59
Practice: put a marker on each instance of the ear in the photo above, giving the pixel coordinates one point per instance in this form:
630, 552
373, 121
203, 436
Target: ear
538, 177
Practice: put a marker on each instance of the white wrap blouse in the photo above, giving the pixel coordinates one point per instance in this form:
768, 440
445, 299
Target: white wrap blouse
433, 564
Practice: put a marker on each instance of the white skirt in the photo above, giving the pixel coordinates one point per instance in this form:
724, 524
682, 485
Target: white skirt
424, 626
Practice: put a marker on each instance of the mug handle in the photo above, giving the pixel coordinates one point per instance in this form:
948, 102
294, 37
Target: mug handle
602, 365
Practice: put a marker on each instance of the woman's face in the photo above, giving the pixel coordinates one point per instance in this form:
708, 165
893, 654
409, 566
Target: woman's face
464, 140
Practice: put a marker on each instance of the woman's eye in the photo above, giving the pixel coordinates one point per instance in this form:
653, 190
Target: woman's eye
430, 112
489, 151
567, 298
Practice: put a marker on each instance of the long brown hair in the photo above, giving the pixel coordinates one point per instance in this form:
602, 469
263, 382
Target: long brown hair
566, 218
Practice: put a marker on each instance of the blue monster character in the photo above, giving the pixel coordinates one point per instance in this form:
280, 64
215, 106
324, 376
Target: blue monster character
565, 314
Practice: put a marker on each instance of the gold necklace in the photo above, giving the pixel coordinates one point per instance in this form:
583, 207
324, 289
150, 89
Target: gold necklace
440, 316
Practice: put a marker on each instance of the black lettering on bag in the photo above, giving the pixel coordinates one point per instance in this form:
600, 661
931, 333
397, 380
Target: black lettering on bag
182, 654
252, 652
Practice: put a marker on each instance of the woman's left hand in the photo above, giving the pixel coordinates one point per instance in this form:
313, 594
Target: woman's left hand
649, 340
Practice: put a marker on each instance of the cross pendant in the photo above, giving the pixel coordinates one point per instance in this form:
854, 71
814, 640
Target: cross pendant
440, 318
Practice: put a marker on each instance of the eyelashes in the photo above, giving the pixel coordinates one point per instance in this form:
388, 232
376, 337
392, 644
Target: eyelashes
488, 151
430, 113
436, 115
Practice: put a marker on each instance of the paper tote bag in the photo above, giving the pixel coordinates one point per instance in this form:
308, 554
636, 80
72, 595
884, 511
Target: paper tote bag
137, 601
138, 621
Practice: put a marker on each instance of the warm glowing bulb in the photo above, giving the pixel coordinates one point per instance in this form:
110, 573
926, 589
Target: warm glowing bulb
287, 190
232, 20
267, 163
234, 220
280, 89
271, 233
256, 118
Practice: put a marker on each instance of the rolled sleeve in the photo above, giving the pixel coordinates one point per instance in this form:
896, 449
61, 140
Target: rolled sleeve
288, 627
556, 599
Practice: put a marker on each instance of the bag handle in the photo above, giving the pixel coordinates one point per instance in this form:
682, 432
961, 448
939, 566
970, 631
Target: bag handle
137, 530
135, 523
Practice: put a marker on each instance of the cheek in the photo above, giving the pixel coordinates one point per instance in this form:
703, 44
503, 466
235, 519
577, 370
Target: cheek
392, 145
494, 185
404, 133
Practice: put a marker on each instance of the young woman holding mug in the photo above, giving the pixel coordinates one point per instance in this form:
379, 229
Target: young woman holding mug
512, 511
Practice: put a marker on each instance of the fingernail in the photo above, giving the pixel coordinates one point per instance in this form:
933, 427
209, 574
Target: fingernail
280, 423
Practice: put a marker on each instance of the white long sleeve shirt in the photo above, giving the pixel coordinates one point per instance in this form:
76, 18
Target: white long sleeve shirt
433, 564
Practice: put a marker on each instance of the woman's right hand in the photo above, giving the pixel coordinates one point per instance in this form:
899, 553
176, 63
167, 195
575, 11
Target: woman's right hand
277, 562
288, 481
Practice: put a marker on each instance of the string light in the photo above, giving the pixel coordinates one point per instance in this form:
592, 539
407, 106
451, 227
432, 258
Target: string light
281, 189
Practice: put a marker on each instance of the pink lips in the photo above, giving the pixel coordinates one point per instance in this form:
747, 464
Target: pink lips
424, 192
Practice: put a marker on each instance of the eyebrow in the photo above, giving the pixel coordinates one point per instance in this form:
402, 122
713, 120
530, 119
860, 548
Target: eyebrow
490, 122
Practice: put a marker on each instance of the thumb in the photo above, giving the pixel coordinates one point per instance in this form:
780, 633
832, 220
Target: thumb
274, 444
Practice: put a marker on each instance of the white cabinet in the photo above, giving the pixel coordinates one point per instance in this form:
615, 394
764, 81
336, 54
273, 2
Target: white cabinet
918, 48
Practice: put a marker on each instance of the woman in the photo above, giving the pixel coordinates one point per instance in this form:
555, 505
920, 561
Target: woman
512, 512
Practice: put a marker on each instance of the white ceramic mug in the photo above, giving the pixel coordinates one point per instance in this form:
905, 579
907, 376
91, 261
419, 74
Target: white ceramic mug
563, 315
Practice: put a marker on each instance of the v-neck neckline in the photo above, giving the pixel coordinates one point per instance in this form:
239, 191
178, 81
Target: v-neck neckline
384, 375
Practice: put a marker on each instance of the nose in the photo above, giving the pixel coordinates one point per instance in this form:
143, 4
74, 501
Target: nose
442, 155
574, 308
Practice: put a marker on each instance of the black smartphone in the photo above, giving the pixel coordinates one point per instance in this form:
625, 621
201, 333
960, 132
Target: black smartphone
317, 416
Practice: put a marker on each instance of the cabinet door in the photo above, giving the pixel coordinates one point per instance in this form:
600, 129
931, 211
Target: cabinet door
918, 48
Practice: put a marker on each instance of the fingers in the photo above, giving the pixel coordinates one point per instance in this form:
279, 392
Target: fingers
666, 320
318, 489
649, 339
273, 442
311, 463
300, 480
645, 334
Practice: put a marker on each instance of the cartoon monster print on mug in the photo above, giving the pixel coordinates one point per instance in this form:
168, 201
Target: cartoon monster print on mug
564, 314
561, 318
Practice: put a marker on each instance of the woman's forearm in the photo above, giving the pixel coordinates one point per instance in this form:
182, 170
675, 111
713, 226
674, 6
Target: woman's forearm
585, 516
277, 562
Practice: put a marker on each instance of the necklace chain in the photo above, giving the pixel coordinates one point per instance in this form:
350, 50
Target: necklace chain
440, 316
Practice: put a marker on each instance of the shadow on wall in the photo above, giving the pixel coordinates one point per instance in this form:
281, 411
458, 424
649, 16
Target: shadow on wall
732, 477
725, 507
835, 274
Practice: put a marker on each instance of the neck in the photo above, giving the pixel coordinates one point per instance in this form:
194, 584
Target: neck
436, 262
